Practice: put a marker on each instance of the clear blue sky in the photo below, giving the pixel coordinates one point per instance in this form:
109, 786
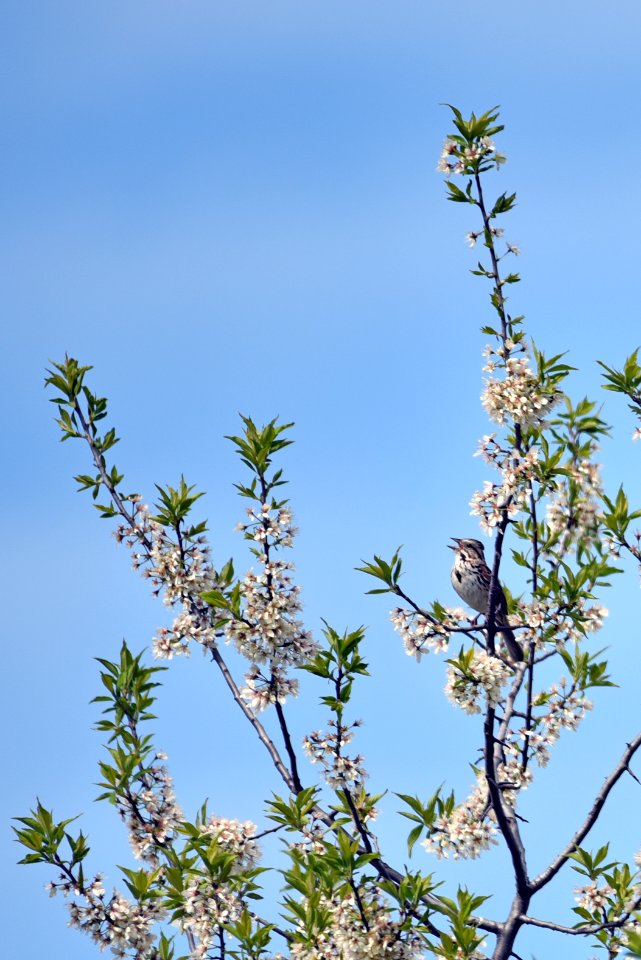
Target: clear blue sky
233, 206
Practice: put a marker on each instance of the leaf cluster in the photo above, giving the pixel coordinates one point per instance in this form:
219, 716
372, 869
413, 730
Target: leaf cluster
174, 505
256, 448
339, 663
79, 413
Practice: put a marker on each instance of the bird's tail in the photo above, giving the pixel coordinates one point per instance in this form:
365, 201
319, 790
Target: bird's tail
514, 649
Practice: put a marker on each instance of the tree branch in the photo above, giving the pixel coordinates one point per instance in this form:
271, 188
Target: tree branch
559, 861
506, 821
263, 736
585, 930
280, 713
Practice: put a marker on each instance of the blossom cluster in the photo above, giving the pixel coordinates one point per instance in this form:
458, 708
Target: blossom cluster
114, 922
269, 524
269, 632
206, 905
482, 679
593, 897
348, 937
235, 837
519, 396
564, 710
542, 621
327, 748
150, 813
261, 692
494, 501
193, 624
180, 571
467, 831
573, 510
421, 633
312, 838
456, 158
512, 777
517, 470
473, 235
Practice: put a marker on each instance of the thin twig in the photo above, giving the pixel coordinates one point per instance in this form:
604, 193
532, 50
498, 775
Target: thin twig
263, 736
525, 753
586, 930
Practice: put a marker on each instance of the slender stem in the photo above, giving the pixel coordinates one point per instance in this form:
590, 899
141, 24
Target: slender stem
265, 923
298, 786
266, 833
525, 753
588, 929
505, 818
358, 823
489, 241
401, 593
500, 308
359, 902
99, 461
263, 736
508, 708
269, 580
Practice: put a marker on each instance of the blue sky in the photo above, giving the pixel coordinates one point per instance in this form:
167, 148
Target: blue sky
233, 207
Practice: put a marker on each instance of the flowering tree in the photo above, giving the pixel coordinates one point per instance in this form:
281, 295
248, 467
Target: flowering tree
197, 888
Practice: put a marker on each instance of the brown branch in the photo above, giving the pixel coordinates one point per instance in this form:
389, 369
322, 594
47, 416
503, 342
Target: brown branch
559, 861
280, 713
265, 923
359, 902
263, 736
525, 755
505, 818
401, 593
508, 708
506, 821
585, 930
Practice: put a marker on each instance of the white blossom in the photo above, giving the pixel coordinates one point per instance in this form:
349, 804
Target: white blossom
328, 749
593, 897
519, 396
465, 832
347, 938
483, 680
421, 634
115, 922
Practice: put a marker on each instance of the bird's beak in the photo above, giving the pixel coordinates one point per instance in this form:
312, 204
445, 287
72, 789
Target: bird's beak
456, 541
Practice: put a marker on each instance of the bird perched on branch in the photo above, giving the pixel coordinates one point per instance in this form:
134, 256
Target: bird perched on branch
471, 579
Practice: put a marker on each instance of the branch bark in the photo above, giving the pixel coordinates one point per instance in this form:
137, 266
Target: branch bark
561, 859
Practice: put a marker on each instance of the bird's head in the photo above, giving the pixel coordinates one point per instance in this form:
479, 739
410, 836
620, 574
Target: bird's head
469, 549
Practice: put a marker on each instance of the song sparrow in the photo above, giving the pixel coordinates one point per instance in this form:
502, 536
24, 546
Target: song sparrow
471, 580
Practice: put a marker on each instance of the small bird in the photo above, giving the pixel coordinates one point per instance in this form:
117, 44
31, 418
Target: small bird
471, 579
